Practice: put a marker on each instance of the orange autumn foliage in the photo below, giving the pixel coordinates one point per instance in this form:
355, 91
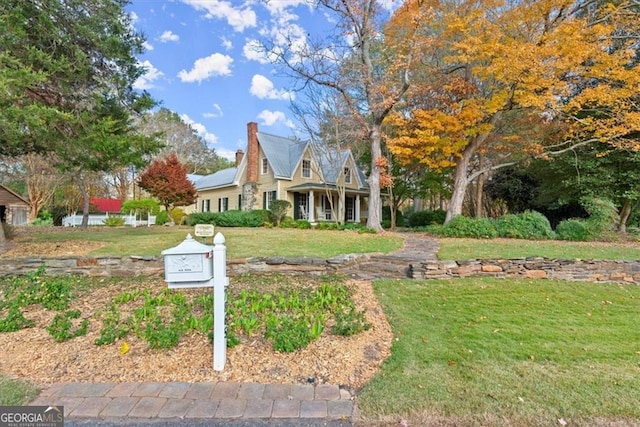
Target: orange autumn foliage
557, 62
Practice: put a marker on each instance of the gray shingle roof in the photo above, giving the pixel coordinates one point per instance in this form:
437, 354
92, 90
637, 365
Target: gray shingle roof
282, 153
219, 179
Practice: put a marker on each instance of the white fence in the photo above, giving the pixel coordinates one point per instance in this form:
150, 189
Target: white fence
75, 220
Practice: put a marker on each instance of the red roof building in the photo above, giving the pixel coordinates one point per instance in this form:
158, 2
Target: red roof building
107, 205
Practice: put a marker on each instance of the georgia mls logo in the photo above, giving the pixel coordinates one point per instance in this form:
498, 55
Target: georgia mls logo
31, 416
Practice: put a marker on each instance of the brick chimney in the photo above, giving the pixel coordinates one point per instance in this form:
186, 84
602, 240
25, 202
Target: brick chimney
239, 156
252, 152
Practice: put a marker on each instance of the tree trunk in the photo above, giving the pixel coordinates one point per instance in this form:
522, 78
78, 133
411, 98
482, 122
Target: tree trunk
461, 175
3, 238
625, 212
479, 189
460, 184
82, 186
375, 200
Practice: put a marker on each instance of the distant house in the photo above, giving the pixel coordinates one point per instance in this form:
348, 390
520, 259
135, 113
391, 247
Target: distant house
319, 182
14, 209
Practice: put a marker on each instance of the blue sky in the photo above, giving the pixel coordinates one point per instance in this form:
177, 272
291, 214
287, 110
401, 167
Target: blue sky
201, 65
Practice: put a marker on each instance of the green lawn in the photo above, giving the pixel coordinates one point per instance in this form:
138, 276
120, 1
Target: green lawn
507, 352
455, 249
241, 242
16, 392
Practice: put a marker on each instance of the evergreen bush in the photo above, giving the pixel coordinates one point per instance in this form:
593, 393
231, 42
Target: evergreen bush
424, 218
462, 226
200, 218
574, 229
528, 225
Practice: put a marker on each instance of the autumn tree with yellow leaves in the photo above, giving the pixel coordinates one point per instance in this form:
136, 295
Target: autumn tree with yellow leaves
568, 69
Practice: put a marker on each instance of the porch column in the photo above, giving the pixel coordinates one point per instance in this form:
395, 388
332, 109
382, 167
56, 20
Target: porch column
357, 207
312, 207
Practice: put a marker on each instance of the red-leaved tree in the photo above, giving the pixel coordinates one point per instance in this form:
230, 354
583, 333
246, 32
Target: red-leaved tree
166, 179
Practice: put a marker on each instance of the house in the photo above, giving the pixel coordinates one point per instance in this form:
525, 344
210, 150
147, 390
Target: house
14, 209
322, 184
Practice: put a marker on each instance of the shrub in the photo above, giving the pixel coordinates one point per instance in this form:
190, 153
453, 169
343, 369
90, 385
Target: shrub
327, 226
162, 218
462, 226
178, 215
114, 221
45, 218
528, 225
574, 229
253, 218
277, 210
603, 216
424, 218
303, 224
201, 218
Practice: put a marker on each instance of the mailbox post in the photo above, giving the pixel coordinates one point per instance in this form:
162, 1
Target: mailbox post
192, 264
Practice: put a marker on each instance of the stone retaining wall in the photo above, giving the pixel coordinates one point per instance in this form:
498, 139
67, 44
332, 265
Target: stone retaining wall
368, 266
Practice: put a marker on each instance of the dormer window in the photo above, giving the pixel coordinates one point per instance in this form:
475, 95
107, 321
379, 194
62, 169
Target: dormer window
265, 166
347, 176
306, 168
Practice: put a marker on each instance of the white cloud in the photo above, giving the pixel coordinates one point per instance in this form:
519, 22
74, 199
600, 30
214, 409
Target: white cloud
226, 153
217, 112
147, 46
209, 137
216, 64
253, 51
134, 18
263, 88
269, 118
226, 43
277, 7
239, 18
145, 82
169, 36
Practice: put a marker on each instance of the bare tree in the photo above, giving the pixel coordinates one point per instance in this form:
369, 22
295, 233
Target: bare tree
41, 179
367, 68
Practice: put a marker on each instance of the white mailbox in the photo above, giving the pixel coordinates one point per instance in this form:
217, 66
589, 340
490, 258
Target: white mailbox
190, 264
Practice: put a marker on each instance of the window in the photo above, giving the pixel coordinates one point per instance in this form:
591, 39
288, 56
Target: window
267, 198
265, 166
223, 204
206, 205
306, 168
347, 176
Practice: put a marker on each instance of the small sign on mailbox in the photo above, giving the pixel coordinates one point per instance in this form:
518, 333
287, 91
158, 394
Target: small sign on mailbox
190, 264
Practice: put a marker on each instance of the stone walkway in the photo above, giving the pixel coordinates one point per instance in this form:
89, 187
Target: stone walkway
227, 403
198, 401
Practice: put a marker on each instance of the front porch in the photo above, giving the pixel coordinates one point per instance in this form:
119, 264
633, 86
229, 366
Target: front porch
321, 204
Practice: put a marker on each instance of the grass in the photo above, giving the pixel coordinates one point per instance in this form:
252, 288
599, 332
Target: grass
455, 249
507, 352
16, 392
241, 242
